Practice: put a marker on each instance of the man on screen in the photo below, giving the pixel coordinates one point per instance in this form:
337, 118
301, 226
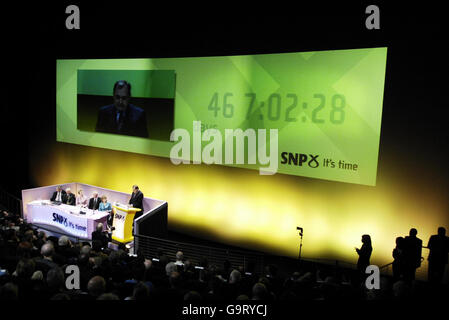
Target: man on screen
122, 117
59, 195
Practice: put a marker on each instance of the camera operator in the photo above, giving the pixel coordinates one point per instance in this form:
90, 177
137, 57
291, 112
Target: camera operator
101, 235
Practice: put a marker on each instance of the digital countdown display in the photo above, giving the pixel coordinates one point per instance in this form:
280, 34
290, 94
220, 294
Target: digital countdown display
325, 106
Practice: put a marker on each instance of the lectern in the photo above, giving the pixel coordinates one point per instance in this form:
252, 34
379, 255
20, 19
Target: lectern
123, 223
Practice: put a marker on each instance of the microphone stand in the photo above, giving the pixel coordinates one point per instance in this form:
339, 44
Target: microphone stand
300, 244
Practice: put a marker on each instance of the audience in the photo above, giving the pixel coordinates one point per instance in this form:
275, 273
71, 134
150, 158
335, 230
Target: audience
35, 269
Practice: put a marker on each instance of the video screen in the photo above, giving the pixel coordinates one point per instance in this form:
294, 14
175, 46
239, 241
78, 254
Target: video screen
311, 114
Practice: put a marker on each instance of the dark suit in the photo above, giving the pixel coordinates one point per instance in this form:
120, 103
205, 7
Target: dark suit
438, 257
70, 199
133, 122
137, 202
413, 252
63, 196
91, 203
101, 237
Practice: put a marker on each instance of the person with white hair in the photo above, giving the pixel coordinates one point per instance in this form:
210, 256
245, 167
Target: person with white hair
235, 276
70, 197
170, 267
63, 241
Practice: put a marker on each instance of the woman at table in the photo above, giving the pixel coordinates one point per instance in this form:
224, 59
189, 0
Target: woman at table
81, 200
104, 204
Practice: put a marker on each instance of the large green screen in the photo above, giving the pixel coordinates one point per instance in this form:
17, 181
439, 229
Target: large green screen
326, 106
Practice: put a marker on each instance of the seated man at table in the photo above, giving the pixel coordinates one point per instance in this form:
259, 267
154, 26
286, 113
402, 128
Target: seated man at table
104, 204
94, 202
59, 195
70, 197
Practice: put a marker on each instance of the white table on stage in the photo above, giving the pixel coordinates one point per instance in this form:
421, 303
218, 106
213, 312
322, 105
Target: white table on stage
67, 219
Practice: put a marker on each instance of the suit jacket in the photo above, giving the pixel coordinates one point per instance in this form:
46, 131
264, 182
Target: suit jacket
91, 203
137, 202
70, 199
413, 249
63, 196
100, 236
439, 249
132, 123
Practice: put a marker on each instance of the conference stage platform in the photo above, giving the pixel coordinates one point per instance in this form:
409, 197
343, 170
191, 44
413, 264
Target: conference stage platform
79, 222
69, 219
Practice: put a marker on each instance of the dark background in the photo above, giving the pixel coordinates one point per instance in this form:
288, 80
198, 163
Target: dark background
414, 124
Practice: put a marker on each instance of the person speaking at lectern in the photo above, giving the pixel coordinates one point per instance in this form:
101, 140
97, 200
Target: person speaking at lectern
136, 200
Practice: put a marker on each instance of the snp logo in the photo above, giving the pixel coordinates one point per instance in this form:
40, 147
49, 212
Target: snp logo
60, 219
119, 217
297, 159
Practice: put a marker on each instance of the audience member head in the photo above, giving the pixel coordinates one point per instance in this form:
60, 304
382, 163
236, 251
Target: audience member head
366, 239
235, 276
63, 241
25, 268
96, 286
179, 256
104, 199
55, 279
175, 279
24, 249
399, 242
94, 194
141, 292
135, 188
60, 297
170, 267
85, 250
9, 292
99, 227
42, 235
259, 291
48, 250
108, 296
441, 231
